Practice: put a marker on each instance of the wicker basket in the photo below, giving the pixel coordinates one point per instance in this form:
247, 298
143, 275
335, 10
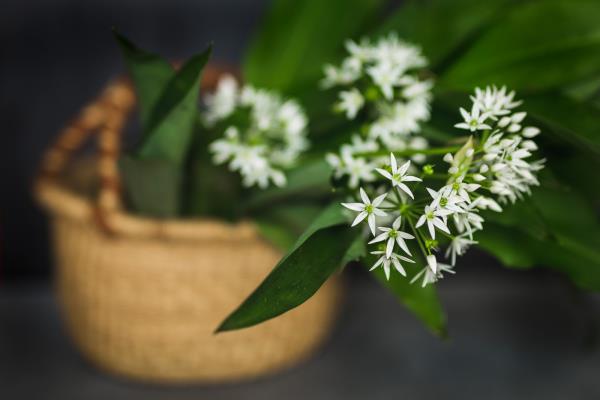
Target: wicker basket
142, 297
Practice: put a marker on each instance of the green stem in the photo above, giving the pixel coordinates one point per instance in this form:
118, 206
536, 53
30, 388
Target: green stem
418, 236
411, 152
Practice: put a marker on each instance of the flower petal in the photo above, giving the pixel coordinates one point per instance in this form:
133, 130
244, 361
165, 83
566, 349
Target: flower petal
354, 206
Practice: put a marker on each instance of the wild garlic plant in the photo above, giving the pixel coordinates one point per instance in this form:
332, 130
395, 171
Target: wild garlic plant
263, 134
381, 86
429, 210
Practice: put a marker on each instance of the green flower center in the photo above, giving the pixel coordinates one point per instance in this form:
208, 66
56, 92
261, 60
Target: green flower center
369, 208
443, 201
393, 233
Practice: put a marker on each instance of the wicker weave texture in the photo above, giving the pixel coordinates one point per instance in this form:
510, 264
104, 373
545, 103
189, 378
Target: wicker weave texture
147, 308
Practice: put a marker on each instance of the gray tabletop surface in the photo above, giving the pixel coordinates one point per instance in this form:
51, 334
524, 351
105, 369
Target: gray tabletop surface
513, 335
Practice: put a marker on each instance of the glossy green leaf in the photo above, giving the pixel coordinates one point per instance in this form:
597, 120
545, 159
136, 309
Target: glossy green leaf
556, 227
442, 27
150, 74
297, 37
172, 120
507, 244
579, 169
570, 120
423, 302
317, 254
538, 45
517, 249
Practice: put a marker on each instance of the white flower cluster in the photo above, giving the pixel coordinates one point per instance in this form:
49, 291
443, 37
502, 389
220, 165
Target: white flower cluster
263, 134
488, 169
506, 145
382, 87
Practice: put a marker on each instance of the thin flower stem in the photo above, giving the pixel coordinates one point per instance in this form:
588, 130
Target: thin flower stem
418, 236
410, 152
436, 176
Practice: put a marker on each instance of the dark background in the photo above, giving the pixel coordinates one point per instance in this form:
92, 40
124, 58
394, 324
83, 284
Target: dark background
514, 334
57, 55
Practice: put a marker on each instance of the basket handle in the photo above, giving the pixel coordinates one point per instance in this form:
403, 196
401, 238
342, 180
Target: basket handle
107, 116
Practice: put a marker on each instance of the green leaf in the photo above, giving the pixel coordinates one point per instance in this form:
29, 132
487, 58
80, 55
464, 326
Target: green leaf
310, 179
150, 74
517, 249
509, 245
282, 224
317, 254
276, 234
442, 27
538, 45
571, 120
298, 37
172, 120
555, 228
579, 170
151, 186
423, 302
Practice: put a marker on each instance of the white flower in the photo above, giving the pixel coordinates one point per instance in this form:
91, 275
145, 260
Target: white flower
362, 51
474, 120
398, 175
432, 272
435, 219
262, 176
357, 168
367, 209
291, 116
458, 246
468, 219
224, 149
530, 132
385, 75
512, 123
418, 143
391, 49
485, 203
496, 102
351, 101
393, 235
393, 259
348, 73
248, 158
418, 89
269, 140
222, 103
445, 199
398, 118
461, 189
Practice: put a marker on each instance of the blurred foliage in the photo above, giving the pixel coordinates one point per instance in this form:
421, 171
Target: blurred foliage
547, 50
153, 173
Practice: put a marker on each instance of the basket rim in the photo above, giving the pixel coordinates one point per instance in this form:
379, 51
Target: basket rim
59, 200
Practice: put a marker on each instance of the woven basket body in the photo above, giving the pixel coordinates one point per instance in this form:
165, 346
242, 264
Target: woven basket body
142, 297
148, 308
